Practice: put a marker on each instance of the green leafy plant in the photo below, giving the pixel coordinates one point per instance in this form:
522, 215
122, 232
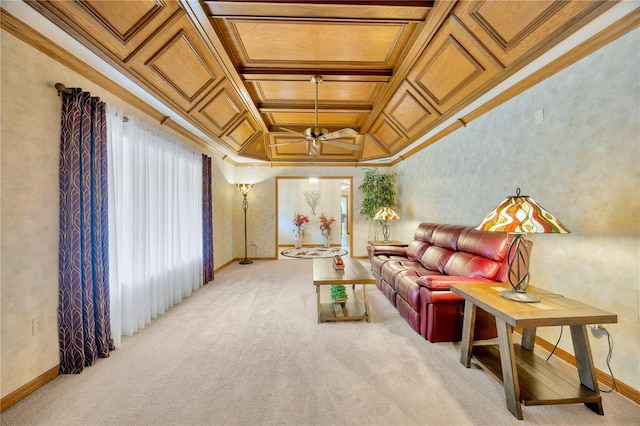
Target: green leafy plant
378, 190
338, 292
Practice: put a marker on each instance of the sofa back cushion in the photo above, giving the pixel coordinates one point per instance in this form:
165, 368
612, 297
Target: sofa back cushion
492, 245
416, 249
464, 264
435, 258
424, 231
447, 236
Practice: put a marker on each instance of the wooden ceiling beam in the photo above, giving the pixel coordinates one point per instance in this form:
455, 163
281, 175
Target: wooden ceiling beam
404, 10
329, 74
309, 107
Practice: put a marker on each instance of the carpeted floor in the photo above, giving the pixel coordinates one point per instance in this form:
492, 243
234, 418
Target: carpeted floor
246, 350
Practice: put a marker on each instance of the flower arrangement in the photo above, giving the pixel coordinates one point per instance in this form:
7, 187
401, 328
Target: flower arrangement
299, 220
326, 222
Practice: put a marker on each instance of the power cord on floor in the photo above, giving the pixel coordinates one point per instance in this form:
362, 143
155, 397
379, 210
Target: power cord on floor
597, 334
613, 379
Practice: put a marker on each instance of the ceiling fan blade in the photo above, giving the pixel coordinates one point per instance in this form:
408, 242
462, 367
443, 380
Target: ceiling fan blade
342, 133
345, 145
293, 131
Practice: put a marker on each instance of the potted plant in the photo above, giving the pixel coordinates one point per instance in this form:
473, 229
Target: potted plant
378, 190
339, 293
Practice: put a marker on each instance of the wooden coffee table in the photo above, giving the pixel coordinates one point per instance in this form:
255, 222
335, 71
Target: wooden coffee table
325, 275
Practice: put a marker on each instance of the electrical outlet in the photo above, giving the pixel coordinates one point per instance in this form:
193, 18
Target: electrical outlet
539, 116
598, 330
36, 325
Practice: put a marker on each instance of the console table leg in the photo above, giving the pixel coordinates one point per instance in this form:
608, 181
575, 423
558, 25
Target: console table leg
468, 327
366, 302
318, 303
584, 361
528, 338
509, 372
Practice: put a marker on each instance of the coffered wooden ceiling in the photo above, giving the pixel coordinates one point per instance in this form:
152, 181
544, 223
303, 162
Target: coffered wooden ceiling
240, 70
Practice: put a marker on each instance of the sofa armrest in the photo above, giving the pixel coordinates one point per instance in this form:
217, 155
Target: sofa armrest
443, 282
389, 250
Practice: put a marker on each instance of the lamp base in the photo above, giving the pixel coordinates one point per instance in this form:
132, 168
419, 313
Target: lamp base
519, 296
246, 262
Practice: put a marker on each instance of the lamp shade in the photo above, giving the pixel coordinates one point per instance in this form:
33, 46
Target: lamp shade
386, 213
520, 214
244, 188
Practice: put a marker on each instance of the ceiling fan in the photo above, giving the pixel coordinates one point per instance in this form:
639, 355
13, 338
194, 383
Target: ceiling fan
314, 136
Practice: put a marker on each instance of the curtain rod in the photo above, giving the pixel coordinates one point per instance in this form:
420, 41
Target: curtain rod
61, 88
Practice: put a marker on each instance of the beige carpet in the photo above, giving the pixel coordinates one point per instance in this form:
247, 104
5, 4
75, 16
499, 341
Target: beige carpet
246, 350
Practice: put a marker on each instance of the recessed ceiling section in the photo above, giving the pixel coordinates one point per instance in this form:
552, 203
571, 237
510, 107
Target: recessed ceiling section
300, 44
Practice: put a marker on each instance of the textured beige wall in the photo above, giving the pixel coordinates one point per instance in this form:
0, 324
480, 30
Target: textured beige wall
30, 145
581, 163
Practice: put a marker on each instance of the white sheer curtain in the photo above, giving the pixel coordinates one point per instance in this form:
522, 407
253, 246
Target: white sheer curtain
155, 208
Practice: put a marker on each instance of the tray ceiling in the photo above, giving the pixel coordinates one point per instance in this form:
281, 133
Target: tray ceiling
240, 71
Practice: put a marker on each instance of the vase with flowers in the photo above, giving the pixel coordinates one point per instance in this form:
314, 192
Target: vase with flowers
325, 229
298, 232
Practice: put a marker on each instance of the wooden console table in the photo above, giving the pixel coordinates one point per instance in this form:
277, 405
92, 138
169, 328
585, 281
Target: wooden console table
526, 377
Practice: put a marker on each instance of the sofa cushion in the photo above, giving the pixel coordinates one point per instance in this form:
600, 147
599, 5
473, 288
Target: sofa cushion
492, 245
435, 258
416, 249
424, 231
407, 288
379, 260
469, 265
394, 268
446, 236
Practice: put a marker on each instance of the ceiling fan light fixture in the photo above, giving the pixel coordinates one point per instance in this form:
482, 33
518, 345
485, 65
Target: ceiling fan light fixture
315, 132
316, 79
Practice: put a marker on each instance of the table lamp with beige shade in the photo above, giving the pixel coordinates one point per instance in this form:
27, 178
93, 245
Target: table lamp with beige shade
384, 215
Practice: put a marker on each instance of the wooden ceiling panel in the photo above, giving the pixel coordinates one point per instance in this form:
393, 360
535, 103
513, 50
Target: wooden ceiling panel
241, 134
453, 67
118, 27
512, 29
256, 43
328, 91
409, 111
302, 120
178, 64
219, 109
256, 148
372, 149
387, 134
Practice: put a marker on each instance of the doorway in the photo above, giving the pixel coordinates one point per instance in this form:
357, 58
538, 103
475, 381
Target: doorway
333, 197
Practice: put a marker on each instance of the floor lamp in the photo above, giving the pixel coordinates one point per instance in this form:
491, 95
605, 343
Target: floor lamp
244, 189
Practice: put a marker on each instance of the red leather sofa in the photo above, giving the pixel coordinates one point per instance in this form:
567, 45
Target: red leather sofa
416, 278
